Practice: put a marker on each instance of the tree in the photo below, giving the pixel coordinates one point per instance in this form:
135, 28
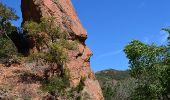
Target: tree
7, 15
166, 74
148, 66
108, 91
123, 89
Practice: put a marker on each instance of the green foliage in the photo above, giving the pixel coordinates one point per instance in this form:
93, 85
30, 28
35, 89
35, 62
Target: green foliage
8, 49
32, 27
56, 54
116, 85
70, 45
107, 76
47, 34
7, 14
52, 32
149, 68
60, 86
55, 84
144, 57
77, 93
168, 31
80, 87
52, 46
108, 92
34, 57
147, 65
166, 74
123, 89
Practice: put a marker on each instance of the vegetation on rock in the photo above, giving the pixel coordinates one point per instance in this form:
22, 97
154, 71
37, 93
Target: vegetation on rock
49, 40
59, 87
52, 46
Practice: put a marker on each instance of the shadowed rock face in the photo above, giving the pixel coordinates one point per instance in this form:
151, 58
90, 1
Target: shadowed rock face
21, 43
66, 18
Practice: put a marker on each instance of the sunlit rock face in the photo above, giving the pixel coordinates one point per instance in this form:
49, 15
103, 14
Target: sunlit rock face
65, 17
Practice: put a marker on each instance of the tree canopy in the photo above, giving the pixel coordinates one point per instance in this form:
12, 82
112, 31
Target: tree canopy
149, 65
7, 15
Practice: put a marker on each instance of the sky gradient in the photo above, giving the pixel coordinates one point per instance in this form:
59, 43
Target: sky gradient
111, 24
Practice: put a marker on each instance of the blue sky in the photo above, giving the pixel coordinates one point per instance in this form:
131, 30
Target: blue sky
111, 24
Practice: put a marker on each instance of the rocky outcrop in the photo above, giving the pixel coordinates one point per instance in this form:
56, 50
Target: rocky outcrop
18, 81
65, 17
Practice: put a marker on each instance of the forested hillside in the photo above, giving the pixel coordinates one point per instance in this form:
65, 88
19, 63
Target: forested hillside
115, 84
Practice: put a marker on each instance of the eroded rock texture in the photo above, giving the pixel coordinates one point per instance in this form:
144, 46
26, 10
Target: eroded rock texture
66, 18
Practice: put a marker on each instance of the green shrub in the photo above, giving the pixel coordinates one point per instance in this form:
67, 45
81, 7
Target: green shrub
52, 33
35, 57
108, 92
7, 49
54, 84
57, 83
55, 40
68, 45
56, 54
77, 93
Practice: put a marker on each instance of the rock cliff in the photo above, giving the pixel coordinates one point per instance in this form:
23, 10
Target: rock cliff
65, 17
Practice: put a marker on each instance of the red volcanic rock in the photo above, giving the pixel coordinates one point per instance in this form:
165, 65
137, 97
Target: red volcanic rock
65, 17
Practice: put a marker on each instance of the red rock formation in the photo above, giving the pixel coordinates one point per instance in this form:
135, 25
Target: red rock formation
65, 17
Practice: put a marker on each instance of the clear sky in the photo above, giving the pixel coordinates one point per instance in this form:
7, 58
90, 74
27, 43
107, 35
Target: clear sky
111, 24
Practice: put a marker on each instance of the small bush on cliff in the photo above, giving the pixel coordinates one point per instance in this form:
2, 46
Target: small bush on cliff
7, 48
56, 85
56, 54
77, 93
60, 87
46, 32
49, 38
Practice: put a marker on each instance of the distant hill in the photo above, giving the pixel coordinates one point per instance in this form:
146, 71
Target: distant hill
116, 84
111, 76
